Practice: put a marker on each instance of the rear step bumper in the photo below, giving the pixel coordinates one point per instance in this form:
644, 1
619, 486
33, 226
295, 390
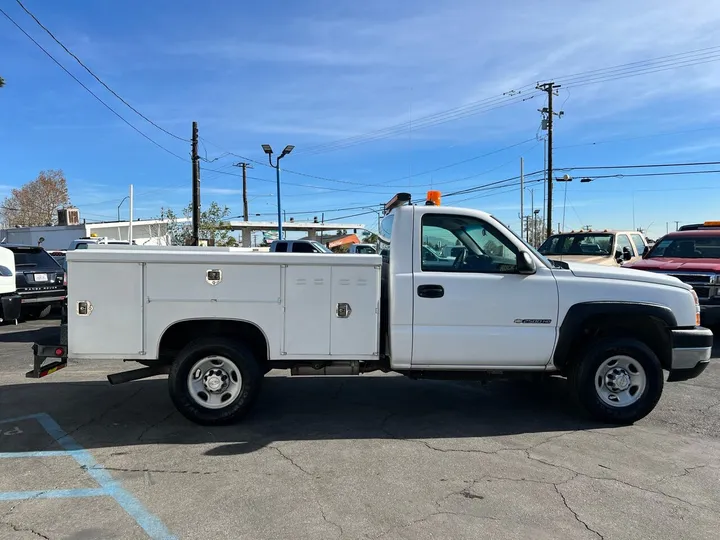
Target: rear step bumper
57, 354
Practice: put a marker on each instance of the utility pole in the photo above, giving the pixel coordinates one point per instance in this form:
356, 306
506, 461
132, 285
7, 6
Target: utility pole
195, 160
244, 166
551, 89
677, 224
522, 195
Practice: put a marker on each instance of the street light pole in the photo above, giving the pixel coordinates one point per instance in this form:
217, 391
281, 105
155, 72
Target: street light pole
268, 150
119, 205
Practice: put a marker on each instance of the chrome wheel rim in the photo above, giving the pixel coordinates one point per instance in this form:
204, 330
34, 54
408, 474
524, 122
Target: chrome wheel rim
214, 382
620, 381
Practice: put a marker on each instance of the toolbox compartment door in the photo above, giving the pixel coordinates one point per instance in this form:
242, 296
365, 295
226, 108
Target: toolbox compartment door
114, 326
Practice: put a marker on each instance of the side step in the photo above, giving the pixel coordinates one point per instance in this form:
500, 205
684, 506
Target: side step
137, 374
41, 353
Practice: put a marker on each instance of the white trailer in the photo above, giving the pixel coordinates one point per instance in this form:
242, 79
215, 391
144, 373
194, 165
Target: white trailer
217, 319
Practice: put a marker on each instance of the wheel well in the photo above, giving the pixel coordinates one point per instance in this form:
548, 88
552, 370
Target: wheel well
178, 335
652, 331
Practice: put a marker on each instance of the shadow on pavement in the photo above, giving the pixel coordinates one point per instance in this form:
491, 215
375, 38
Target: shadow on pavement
296, 409
28, 333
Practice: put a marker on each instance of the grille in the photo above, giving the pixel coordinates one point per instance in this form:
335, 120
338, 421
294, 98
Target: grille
693, 279
705, 285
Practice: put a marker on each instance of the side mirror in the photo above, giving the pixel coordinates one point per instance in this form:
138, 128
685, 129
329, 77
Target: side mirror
627, 254
618, 255
525, 263
645, 252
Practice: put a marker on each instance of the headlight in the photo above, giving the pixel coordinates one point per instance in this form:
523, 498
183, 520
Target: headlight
697, 307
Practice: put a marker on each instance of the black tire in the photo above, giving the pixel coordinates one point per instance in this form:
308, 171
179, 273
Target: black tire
239, 356
583, 383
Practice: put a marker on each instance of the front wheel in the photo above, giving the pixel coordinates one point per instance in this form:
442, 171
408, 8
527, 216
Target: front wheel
618, 381
214, 381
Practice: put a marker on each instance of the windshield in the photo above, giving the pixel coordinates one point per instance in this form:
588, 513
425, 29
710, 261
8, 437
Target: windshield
33, 257
365, 249
320, 247
585, 244
700, 247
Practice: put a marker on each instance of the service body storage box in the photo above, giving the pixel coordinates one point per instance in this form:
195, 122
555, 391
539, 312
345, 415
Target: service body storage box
309, 306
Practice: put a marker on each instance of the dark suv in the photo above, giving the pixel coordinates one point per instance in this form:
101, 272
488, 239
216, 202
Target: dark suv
41, 281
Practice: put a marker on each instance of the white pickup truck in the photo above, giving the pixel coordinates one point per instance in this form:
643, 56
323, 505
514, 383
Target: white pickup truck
216, 320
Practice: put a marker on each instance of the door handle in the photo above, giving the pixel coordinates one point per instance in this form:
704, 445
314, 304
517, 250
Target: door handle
430, 291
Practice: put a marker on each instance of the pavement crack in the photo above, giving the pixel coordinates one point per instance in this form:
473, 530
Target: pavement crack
574, 513
623, 482
18, 528
291, 460
326, 520
158, 471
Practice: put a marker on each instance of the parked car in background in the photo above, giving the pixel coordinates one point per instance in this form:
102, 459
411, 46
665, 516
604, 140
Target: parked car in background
692, 256
82, 243
10, 300
607, 248
365, 249
41, 282
298, 246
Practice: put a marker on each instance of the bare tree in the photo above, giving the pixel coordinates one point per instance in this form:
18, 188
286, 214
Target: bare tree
36, 203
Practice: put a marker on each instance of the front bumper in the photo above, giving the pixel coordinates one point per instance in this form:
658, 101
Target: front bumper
691, 352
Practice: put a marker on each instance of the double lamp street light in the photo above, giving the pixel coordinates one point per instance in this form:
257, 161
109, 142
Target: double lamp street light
268, 150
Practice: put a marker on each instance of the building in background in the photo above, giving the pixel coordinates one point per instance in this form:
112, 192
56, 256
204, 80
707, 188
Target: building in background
149, 232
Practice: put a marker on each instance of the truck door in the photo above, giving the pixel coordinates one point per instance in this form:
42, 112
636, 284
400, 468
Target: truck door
475, 309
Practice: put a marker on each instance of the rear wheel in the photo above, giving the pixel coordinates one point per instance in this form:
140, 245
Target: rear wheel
214, 381
618, 381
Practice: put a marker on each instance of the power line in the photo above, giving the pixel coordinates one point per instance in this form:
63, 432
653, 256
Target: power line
673, 173
648, 136
673, 61
41, 25
642, 166
423, 122
108, 107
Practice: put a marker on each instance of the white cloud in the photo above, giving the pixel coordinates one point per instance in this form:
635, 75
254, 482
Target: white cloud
323, 79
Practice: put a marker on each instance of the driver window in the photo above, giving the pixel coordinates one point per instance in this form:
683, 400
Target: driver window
465, 244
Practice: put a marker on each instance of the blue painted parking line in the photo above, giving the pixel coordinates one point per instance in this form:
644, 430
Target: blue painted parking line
109, 487
52, 494
48, 453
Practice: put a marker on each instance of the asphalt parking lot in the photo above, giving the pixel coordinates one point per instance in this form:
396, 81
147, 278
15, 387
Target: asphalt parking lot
367, 457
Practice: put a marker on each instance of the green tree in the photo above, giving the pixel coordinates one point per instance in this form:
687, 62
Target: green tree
2, 82
369, 237
213, 225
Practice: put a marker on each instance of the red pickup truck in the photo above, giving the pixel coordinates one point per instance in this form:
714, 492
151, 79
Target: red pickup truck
693, 256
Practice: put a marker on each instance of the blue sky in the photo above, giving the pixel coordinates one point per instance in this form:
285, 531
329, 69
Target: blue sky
314, 72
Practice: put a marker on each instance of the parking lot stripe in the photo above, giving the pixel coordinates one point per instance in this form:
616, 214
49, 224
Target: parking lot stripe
150, 523
52, 494
39, 454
